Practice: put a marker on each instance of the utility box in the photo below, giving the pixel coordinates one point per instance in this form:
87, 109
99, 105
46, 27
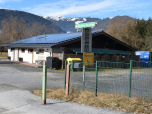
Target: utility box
75, 63
145, 57
52, 62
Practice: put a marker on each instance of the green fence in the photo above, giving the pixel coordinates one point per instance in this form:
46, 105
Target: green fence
130, 79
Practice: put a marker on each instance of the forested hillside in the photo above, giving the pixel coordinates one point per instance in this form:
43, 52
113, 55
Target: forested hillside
136, 33
28, 17
16, 25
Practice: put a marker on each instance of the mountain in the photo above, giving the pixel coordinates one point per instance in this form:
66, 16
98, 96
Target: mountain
60, 24
29, 18
68, 24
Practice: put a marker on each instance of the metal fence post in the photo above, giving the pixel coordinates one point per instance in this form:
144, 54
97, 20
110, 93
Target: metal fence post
44, 84
67, 81
83, 77
96, 80
130, 78
65, 74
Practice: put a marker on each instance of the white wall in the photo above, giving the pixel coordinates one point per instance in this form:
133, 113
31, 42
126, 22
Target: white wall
9, 50
34, 56
29, 57
16, 54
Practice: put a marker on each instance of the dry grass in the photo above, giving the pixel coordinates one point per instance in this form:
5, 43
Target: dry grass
4, 54
111, 101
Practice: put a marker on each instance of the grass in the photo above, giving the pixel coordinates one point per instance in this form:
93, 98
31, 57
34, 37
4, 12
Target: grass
4, 54
111, 101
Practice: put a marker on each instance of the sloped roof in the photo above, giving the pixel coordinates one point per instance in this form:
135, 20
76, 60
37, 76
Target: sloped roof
58, 40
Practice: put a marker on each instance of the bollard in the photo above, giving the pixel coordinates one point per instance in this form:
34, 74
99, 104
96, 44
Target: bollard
83, 77
65, 74
44, 84
96, 79
67, 80
130, 78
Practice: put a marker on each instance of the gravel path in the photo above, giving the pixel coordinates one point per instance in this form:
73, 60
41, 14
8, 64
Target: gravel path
26, 77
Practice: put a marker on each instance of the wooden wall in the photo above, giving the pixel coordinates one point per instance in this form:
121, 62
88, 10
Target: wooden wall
97, 57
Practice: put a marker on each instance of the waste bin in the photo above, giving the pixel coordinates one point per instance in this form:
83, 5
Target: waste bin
75, 64
52, 62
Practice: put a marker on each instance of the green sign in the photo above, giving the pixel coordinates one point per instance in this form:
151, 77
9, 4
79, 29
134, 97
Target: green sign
85, 25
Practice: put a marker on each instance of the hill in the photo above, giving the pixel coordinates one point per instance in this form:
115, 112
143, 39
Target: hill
29, 18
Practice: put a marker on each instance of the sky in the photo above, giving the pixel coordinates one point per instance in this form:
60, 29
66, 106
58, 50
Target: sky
82, 8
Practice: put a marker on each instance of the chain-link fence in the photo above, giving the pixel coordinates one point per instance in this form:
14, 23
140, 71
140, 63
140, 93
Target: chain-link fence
141, 79
130, 79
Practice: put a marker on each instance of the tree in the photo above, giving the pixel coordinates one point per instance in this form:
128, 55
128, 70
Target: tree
149, 43
13, 29
144, 27
125, 31
16, 29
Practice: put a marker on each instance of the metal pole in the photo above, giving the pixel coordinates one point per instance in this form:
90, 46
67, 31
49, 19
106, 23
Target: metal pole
65, 74
83, 77
67, 81
44, 84
96, 80
130, 77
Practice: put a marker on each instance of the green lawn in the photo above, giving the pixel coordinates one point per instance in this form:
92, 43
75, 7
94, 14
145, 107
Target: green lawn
4, 54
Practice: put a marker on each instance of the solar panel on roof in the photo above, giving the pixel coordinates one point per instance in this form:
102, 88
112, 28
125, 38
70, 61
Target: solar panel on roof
50, 38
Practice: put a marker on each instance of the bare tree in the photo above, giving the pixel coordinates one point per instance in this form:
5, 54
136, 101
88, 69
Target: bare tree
13, 29
16, 29
126, 32
149, 43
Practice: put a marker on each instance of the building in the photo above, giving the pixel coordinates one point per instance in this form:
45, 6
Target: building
56, 45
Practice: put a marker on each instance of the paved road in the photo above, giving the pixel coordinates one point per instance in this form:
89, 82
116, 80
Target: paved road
16, 82
26, 77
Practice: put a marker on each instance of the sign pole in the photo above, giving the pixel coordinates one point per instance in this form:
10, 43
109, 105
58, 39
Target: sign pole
67, 81
86, 45
83, 77
44, 84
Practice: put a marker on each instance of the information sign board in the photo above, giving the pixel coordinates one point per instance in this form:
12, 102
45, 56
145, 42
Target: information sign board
85, 25
88, 59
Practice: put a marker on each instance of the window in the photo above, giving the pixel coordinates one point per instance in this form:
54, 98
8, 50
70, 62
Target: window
23, 50
30, 50
12, 49
41, 50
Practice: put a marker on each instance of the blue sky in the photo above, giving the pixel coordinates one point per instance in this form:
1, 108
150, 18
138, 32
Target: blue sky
82, 8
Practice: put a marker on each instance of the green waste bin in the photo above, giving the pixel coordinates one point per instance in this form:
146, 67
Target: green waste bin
74, 63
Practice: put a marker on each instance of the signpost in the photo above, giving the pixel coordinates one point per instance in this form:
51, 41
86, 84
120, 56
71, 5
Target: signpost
86, 40
86, 45
85, 25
